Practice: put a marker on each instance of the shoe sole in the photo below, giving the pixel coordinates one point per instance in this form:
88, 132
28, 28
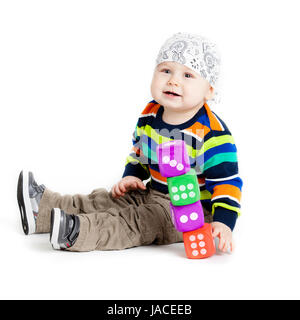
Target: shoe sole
27, 216
56, 220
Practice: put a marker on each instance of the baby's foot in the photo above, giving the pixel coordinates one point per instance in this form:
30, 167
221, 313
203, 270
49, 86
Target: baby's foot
64, 229
29, 195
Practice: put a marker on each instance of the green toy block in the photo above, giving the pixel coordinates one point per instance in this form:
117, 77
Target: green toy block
184, 189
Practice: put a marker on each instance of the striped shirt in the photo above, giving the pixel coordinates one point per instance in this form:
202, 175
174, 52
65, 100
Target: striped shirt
212, 153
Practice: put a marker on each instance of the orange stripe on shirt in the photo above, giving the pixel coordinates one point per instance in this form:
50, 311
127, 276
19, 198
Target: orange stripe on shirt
157, 175
227, 189
151, 108
198, 129
214, 123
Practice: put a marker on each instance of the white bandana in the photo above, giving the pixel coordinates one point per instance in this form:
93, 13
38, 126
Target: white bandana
195, 52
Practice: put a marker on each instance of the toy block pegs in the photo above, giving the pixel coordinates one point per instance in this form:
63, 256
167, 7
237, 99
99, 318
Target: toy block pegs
199, 243
173, 159
187, 218
184, 189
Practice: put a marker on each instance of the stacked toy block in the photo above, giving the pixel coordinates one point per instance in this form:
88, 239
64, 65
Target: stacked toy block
185, 206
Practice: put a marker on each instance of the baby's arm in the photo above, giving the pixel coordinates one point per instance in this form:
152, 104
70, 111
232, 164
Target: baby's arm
222, 180
136, 169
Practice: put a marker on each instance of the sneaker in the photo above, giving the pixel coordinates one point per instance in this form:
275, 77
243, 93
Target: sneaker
64, 229
29, 195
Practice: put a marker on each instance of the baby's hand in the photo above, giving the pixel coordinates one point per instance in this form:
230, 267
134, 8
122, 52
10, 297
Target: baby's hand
126, 184
224, 234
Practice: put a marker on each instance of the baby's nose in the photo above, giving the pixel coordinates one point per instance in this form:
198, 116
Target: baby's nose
173, 81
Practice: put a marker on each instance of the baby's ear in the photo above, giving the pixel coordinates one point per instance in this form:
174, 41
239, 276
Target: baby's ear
210, 94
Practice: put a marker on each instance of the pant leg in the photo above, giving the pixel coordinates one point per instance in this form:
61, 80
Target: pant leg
71, 204
139, 218
98, 200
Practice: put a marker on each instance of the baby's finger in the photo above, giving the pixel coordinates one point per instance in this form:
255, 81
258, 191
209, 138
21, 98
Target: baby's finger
131, 185
113, 192
134, 185
118, 191
221, 244
232, 246
122, 187
141, 185
215, 232
226, 246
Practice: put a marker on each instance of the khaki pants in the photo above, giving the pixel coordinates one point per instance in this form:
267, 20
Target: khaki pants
141, 217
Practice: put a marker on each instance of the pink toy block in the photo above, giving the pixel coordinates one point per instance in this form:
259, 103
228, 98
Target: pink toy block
188, 217
199, 243
173, 159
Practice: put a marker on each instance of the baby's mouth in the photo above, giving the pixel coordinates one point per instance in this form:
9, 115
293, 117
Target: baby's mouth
171, 94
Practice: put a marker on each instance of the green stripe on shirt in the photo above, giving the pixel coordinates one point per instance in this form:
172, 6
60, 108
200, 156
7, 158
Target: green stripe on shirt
216, 141
219, 158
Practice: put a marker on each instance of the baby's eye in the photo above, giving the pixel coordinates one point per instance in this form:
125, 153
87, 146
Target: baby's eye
165, 70
188, 75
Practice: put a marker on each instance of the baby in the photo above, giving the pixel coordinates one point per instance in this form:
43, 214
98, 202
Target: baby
132, 213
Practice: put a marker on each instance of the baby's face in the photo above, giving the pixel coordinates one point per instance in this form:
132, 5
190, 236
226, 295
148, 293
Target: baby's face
191, 89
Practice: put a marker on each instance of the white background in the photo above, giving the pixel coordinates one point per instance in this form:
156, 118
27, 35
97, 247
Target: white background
74, 75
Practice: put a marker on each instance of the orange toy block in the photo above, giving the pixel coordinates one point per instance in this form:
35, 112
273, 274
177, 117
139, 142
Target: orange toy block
199, 243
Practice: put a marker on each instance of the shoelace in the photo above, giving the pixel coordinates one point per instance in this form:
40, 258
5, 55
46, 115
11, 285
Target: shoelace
41, 188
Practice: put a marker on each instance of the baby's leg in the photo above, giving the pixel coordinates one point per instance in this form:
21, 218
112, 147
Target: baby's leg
98, 200
71, 204
139, 218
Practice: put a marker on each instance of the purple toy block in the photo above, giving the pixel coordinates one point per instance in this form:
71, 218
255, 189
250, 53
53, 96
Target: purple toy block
187, 218
173, 159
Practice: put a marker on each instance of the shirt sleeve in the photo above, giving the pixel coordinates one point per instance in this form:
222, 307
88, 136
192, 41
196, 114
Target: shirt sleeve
136, 163
222, 177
